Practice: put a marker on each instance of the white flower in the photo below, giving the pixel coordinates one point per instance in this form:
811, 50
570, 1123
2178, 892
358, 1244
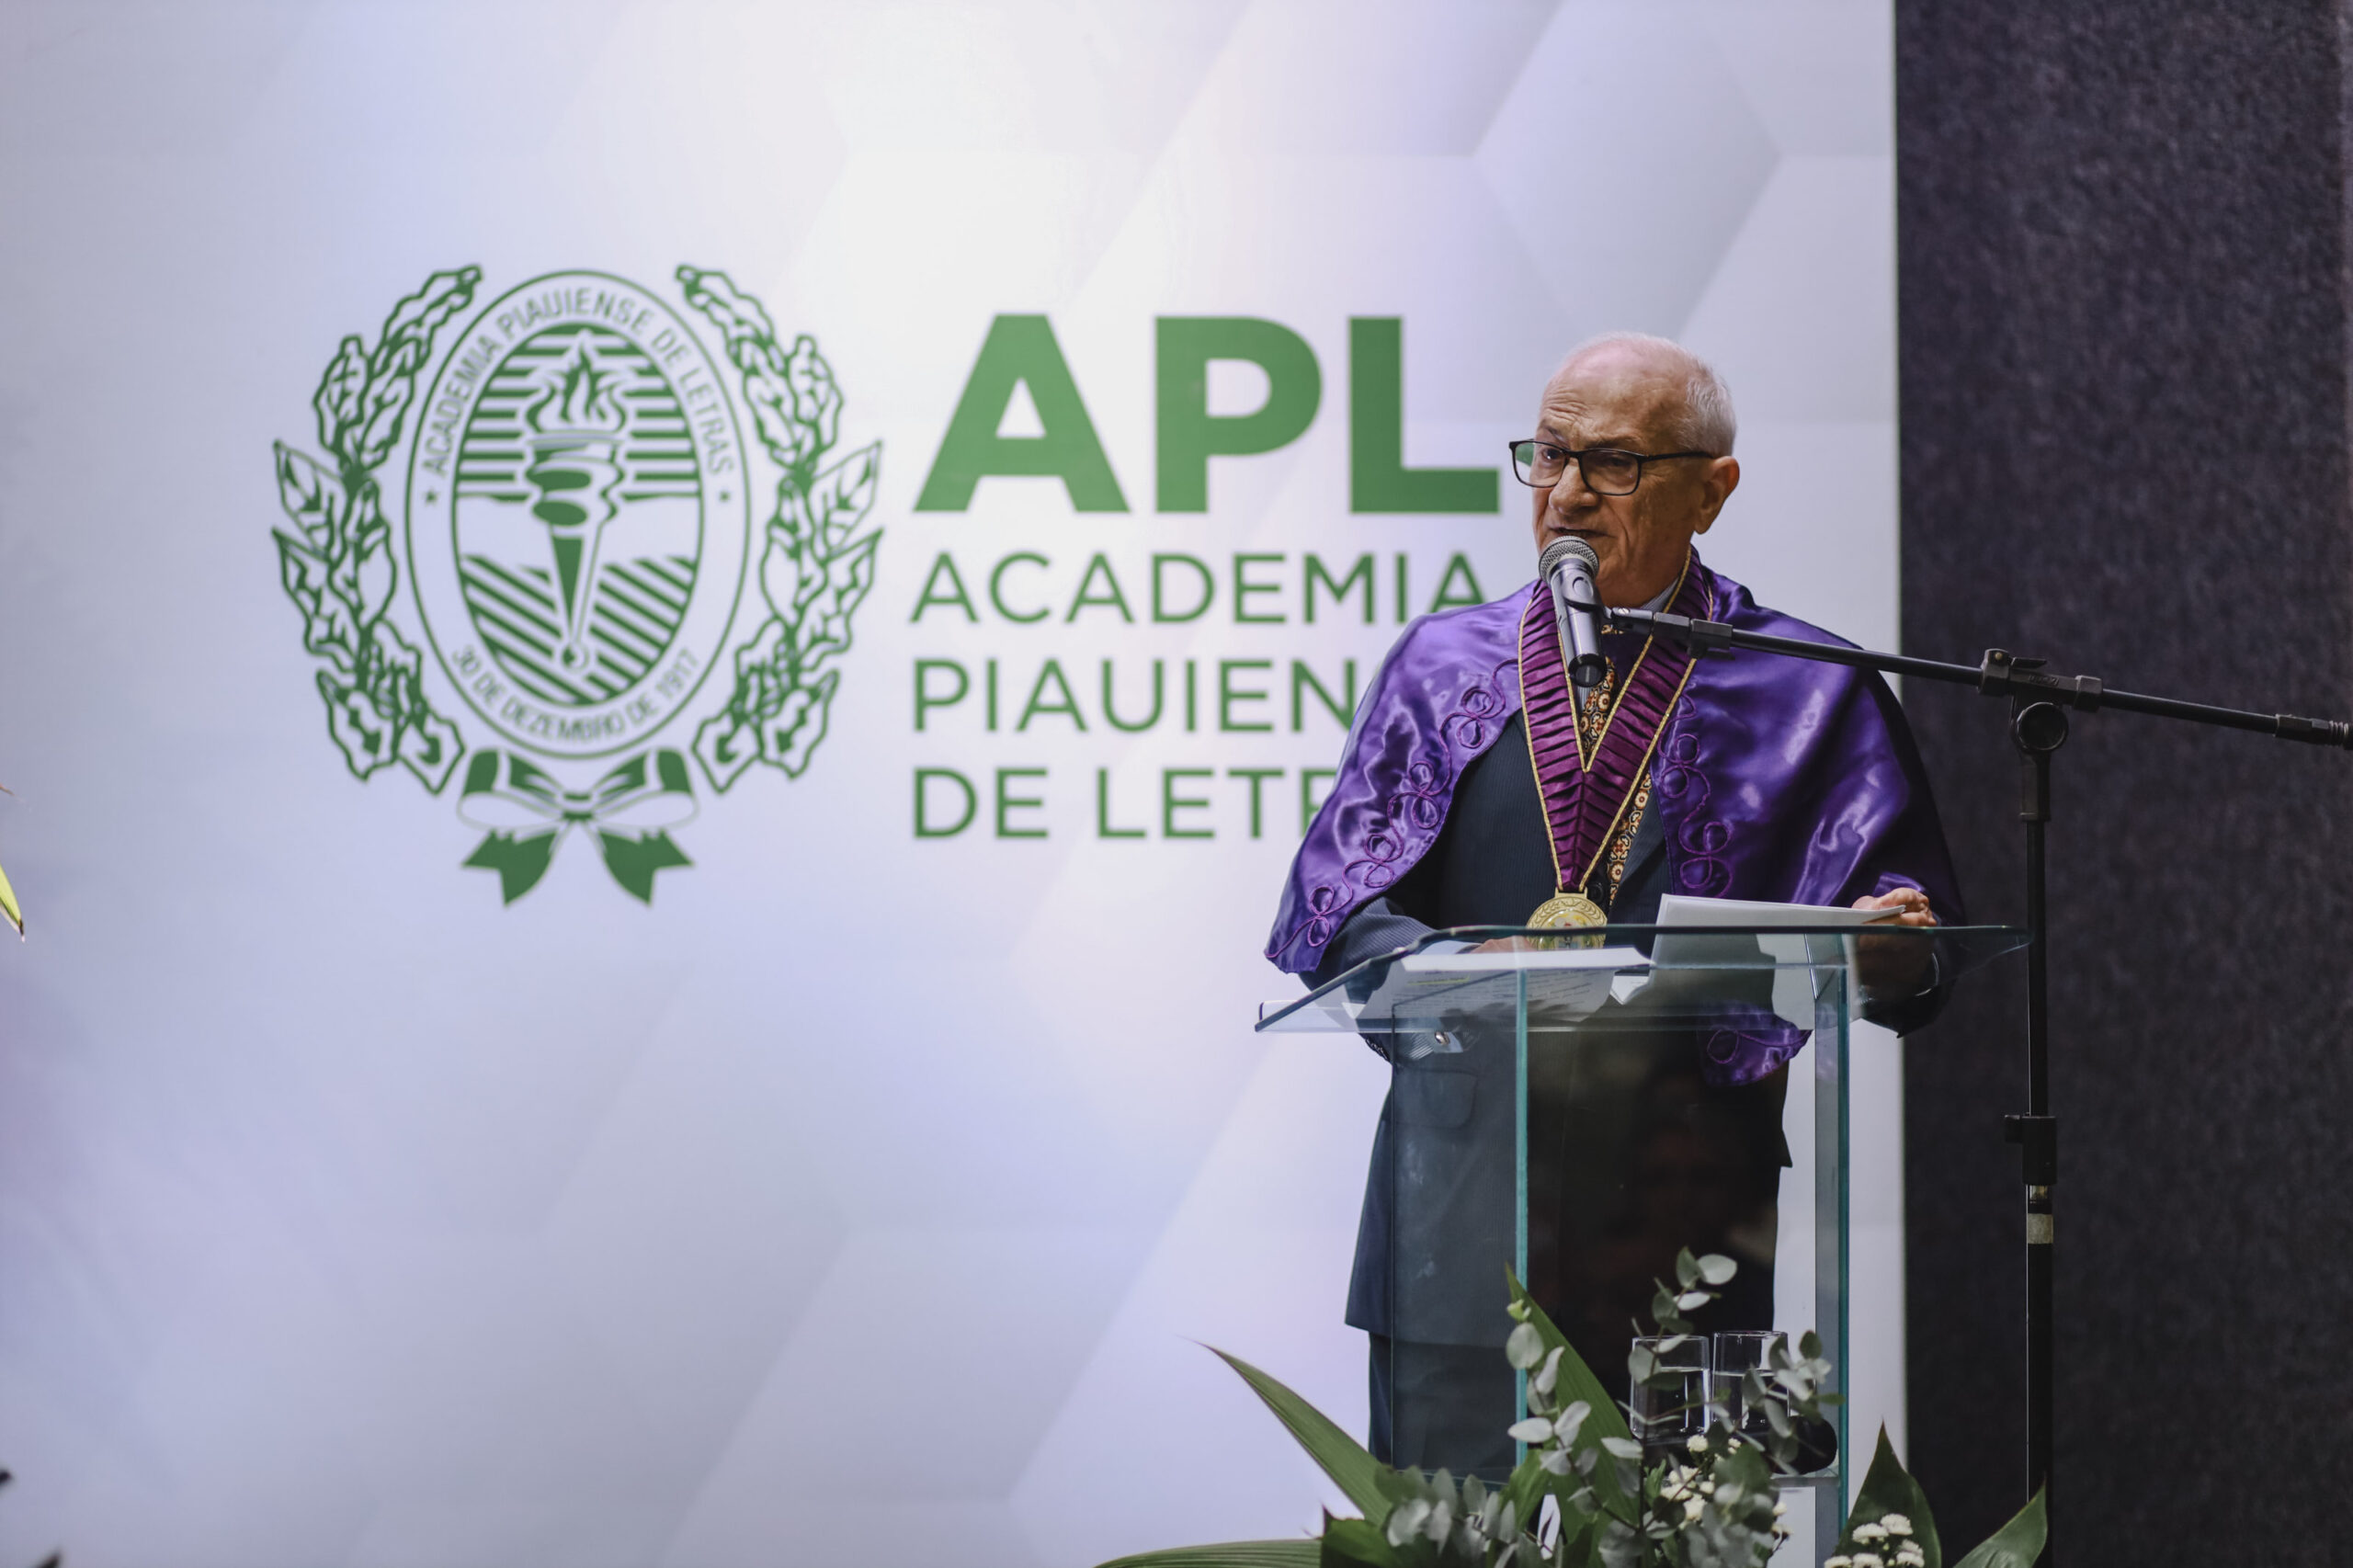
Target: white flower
1693, 1509
1909, 1556
1834, 1562
1895, 1524
1870, 1532
1780, 1508
1698, 1444
1868, 1559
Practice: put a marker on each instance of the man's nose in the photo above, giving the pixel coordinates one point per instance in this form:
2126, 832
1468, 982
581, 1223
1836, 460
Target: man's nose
1569, 495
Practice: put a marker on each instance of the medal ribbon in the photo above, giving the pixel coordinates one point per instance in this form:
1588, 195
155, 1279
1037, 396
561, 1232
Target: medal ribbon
1586, 797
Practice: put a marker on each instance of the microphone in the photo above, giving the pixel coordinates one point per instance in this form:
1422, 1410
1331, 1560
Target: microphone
1570, 566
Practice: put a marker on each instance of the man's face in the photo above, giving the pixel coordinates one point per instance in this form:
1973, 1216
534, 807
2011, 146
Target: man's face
1628, 397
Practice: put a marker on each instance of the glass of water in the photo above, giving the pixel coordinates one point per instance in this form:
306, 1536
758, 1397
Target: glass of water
1669, 1396
1735, 1354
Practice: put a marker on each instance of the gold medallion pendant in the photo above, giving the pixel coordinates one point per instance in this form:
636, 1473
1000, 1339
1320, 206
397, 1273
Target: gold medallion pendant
1569, 911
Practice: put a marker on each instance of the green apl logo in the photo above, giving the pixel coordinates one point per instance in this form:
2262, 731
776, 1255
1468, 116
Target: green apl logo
570, 492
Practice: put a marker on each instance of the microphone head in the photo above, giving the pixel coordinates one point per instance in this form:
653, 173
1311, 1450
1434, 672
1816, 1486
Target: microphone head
1563, 550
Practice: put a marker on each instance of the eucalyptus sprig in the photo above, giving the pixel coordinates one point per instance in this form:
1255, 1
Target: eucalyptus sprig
1712, 1507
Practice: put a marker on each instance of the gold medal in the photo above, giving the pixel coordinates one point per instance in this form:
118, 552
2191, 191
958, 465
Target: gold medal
1567, 909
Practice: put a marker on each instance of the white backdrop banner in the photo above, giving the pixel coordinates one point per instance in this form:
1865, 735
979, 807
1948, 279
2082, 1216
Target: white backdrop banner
662, 660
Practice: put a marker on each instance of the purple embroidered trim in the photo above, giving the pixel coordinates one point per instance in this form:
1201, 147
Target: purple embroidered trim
1704, 871
1416, 813
1757, 1050
1481, 709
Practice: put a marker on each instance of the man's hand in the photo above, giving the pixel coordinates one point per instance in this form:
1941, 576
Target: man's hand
1889, 969
1911, 901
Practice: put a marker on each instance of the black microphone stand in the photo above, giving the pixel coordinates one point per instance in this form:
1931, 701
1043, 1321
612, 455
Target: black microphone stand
2038, 703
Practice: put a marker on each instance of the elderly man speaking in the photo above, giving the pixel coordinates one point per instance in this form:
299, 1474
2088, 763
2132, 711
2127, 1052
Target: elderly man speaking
1480, 787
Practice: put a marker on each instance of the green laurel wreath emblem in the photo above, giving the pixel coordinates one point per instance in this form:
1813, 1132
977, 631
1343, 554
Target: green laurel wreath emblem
817, 563
337, 564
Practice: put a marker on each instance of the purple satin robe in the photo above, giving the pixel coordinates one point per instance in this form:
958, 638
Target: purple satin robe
1777, 778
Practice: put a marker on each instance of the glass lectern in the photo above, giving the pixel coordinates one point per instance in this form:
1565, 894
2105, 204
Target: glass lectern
1582, 1112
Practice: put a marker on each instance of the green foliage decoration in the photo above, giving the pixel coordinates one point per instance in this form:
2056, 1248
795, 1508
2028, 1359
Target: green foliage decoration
1587, 1494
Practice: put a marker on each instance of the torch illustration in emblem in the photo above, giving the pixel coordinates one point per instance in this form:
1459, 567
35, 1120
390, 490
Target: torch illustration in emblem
575, 437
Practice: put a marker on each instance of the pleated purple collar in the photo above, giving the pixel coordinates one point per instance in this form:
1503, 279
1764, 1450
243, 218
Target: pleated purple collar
1586, 798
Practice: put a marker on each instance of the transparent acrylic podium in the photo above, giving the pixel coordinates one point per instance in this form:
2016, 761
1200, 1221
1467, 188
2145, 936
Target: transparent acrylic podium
1583, 1112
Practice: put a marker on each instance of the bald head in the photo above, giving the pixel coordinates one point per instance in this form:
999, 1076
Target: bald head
1686, 396
1656, 402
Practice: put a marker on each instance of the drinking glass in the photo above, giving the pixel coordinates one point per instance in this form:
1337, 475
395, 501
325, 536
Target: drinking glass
1670, 1405
1736, 1353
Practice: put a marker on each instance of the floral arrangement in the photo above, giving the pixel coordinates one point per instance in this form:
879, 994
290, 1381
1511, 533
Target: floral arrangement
1587, 1494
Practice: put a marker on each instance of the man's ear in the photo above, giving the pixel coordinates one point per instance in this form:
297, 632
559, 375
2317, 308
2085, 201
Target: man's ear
1716, 486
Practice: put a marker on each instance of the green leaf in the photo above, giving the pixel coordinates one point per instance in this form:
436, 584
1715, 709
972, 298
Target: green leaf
1579, 1551
1352, 1468
406, 341
844, 494
337, 402
2015, 1544
312, 498
386, 409
430, 747
1574, 1382
327, 626
1888, 1488
1354, 1543
366, 741
1302, 1553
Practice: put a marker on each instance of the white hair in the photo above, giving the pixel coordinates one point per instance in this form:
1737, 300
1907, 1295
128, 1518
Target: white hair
1705, 423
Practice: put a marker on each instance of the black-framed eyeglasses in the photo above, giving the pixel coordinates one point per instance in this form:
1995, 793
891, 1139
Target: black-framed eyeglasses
1608, 470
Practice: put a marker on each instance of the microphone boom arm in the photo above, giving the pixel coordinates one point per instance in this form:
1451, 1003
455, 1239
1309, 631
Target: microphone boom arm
1998, 673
